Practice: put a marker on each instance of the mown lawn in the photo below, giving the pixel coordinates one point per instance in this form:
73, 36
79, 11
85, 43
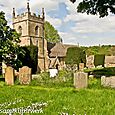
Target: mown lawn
94, 100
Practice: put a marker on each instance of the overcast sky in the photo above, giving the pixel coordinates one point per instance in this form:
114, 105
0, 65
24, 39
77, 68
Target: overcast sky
73, 27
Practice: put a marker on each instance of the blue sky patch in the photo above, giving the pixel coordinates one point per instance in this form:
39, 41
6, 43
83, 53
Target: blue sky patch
66, 26
60, 13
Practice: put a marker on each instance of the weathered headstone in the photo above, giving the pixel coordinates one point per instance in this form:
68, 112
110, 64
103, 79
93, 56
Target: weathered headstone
109, 61
9, 76
90, 61
25, 75
80, 80
81, 66
108, 81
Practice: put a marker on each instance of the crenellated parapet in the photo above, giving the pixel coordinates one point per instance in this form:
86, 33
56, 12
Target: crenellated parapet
28, 16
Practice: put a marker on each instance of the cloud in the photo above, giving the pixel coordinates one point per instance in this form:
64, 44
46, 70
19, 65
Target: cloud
56, 22
73, 27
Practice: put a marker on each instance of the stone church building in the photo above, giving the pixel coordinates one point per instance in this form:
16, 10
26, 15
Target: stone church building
31, 28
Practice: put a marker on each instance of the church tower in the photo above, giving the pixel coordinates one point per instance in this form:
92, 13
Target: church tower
31, 28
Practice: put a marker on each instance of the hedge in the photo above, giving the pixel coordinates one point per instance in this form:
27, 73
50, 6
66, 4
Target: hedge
75, 55
99, 60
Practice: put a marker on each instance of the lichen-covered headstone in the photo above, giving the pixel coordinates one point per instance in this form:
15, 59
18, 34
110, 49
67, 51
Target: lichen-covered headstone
9, 76
25, 75
80, 80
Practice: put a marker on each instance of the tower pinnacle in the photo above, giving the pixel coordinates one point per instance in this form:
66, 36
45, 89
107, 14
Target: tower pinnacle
13, 12
43, 14
28, 7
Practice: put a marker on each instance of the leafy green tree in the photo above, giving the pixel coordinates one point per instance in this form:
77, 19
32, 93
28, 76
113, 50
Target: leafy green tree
51, 34
9, 39
101, 7
105, 49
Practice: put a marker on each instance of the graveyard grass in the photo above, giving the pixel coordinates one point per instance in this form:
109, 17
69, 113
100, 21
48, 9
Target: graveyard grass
59, 100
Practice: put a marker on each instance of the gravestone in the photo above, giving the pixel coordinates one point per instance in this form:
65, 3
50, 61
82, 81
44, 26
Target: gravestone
81, 66
53, 72
25, 75
9, 76
80, 80
108, 81
90, 61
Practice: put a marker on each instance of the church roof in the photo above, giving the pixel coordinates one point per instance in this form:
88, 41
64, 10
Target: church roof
58, 50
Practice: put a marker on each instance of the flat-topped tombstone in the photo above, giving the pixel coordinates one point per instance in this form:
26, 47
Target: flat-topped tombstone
80, 80
81, 66
25, 75
108, 81
9, 76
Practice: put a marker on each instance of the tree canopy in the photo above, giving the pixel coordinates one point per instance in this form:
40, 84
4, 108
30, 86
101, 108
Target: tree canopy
51, 34
101, 7
9, 39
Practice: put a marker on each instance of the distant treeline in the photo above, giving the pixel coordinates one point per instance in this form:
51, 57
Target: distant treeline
104, 49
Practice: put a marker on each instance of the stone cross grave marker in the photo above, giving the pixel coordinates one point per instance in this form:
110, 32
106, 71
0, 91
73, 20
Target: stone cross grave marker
80, 80
9, 76
25, 75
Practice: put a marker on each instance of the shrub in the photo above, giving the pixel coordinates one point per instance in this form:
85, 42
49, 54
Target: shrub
110, 71
99, 60
64, 79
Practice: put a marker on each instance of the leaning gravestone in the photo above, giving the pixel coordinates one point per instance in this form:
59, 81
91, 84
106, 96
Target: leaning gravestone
80, 80
25, 75
9, 76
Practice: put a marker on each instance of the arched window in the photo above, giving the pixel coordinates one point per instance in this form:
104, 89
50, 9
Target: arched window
20, 30
37, 31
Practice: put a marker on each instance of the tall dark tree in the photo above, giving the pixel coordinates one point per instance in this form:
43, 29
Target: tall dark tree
95, 7
51, 34
9, 39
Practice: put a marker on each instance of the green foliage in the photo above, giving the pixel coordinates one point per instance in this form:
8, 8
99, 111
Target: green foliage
105, 71
64, 79
94, 83
99, 60
9, 39
51, 34
110, 71
99, 50
94, 7
30, 58
75, 55
2, 83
